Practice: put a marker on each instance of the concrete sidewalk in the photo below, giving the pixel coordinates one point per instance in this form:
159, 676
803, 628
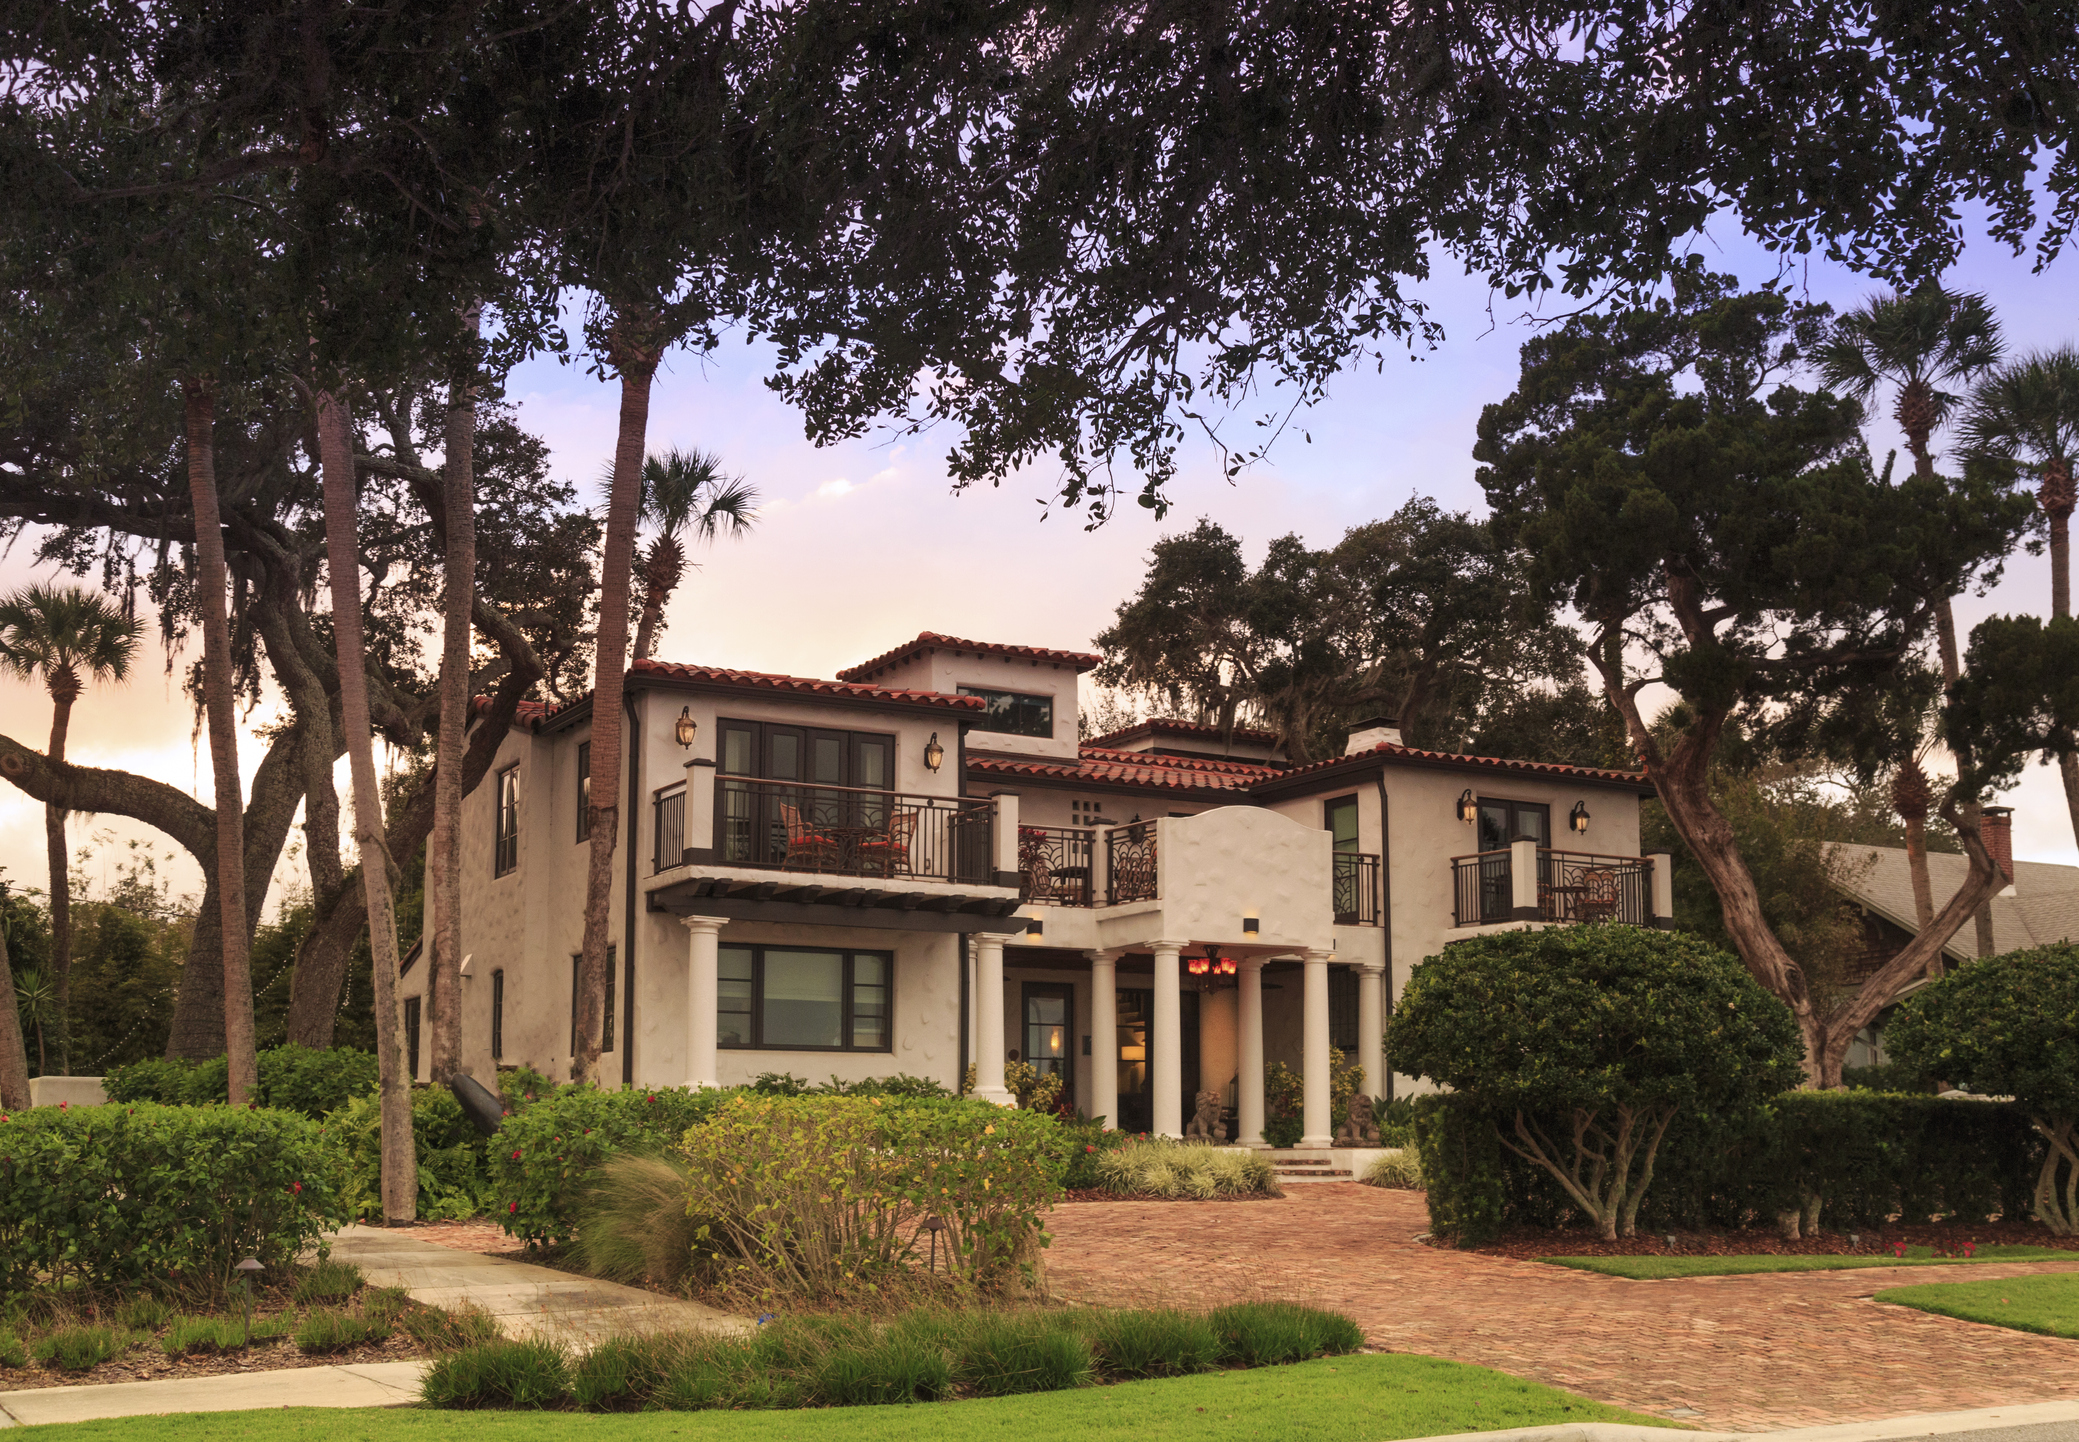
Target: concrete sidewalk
527, 1300
374, 1384
2029, 1422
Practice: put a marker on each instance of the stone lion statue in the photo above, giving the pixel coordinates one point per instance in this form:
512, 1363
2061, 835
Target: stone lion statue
1360, 1128
1205, 1122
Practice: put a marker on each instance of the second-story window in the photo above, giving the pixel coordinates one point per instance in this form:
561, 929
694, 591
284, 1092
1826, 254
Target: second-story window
1340, 816
508, 794
1013, 712
584, 791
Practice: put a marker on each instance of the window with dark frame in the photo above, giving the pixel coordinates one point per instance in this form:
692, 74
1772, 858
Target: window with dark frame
1340, 818
750, 820
783, 998
508, 799
1503, 822
411, 1036
584, 791
497, 1015
606, 1029
1342, 1011
1013, 713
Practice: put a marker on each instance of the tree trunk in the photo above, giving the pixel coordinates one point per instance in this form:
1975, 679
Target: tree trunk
343, 563
444, 870
14, 1052
2060, 564
635, 357
61, 916
220, 703
1916, 863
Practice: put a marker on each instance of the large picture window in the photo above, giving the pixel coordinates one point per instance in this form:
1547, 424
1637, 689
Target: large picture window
1013, 712
508, 796
777, 998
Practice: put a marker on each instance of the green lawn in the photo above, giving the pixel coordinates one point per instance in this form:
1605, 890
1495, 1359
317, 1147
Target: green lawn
1647, 1269
2047, 1303
1376, 1398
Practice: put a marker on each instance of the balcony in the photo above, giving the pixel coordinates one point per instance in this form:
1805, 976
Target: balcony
1570, 886
836, 831
1356, 883
1058, 865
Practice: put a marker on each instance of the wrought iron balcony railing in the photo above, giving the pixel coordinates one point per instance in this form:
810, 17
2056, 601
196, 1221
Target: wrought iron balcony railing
1571, 886
839, 830
1356, 882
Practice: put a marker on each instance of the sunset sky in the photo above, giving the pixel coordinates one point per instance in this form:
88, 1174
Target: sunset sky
862, 545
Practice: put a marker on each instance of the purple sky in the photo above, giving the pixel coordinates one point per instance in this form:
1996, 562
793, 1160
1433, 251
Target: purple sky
862, 545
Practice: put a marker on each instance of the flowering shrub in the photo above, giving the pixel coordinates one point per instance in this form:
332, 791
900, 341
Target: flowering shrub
537, 1157
114, 1195
452, 1180
823, 1197
1085, 1142
293, 1078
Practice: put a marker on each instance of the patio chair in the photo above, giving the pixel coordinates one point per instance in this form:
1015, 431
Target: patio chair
806, 846
1599, 895
891, 848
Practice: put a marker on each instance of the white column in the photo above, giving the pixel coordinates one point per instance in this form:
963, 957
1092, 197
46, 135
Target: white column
703, 994
1663, 890
1249, 1089
1315, 1130
1104, 1036
1371, 1029
1167, 1063
1523, 882
989, 1021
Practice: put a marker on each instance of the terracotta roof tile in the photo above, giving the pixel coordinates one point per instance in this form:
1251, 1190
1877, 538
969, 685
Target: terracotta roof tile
1164, 726
1098, 766
933, 641
805, 686
1417, 756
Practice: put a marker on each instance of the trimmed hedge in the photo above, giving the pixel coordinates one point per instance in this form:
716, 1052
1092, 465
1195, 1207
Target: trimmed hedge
292, 1078
538, 1156
1863, 1157
121, 1196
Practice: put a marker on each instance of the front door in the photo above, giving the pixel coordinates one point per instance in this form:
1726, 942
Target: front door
1136, 1074
1049, 1021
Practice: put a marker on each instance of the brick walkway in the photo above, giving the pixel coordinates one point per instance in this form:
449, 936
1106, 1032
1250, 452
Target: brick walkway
1752, 1353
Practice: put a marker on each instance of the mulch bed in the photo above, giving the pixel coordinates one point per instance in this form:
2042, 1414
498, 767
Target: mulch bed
146, 1363
1580, 1242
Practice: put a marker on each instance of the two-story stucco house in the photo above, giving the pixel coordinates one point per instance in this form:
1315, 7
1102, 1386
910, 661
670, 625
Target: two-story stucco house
917, 865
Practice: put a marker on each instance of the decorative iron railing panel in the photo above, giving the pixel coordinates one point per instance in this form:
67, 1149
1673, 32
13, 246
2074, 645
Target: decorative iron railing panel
1356, 889
853, 831
1575, 886
1481, 888
1130, 863
1056, 865
1572, 886
670, 828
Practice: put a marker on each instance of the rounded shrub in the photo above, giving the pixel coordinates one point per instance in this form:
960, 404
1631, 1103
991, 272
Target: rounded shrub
539, 1158
1158, 1342
2009, 1025
504, 1373
1585, 1043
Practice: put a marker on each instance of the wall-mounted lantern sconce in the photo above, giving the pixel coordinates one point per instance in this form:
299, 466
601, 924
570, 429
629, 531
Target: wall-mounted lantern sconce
1251, 925
1577, 819
934, 754
1468, 808
687, 728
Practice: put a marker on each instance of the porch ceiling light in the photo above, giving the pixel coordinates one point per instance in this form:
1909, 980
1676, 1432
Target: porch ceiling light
934, 754
687, 728
1577, 819
1468, 808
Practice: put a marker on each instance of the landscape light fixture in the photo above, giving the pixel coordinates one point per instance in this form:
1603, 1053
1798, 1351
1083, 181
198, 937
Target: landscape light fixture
934, 754
1468, 809
245, 1270
687, 728
1577, 819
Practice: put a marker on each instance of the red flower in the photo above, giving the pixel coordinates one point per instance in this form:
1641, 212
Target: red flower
296, 1187
653, 1099
512, 1207
1089, 1149
516, 1154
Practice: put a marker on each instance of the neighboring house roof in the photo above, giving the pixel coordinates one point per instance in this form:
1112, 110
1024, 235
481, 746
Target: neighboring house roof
2043, 907
1198, 731
1300, 778
933, 641
1099, 766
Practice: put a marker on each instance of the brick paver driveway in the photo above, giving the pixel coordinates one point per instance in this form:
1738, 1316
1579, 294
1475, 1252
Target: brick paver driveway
1724, 1353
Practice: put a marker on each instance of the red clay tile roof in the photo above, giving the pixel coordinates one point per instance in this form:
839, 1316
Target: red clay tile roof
527, 716
805, 686
1099, 766
933, 641
1163, 725
1416, 756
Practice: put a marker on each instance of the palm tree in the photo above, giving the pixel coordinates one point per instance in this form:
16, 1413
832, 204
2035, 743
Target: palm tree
71, 637
684, 491
36, 1000
1920, 341
2027, 413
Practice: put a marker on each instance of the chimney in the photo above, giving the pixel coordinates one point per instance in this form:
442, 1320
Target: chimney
1372, 731
1996, 828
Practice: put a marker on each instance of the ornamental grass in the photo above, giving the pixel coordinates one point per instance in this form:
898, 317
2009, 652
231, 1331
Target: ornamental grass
1185, 1171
